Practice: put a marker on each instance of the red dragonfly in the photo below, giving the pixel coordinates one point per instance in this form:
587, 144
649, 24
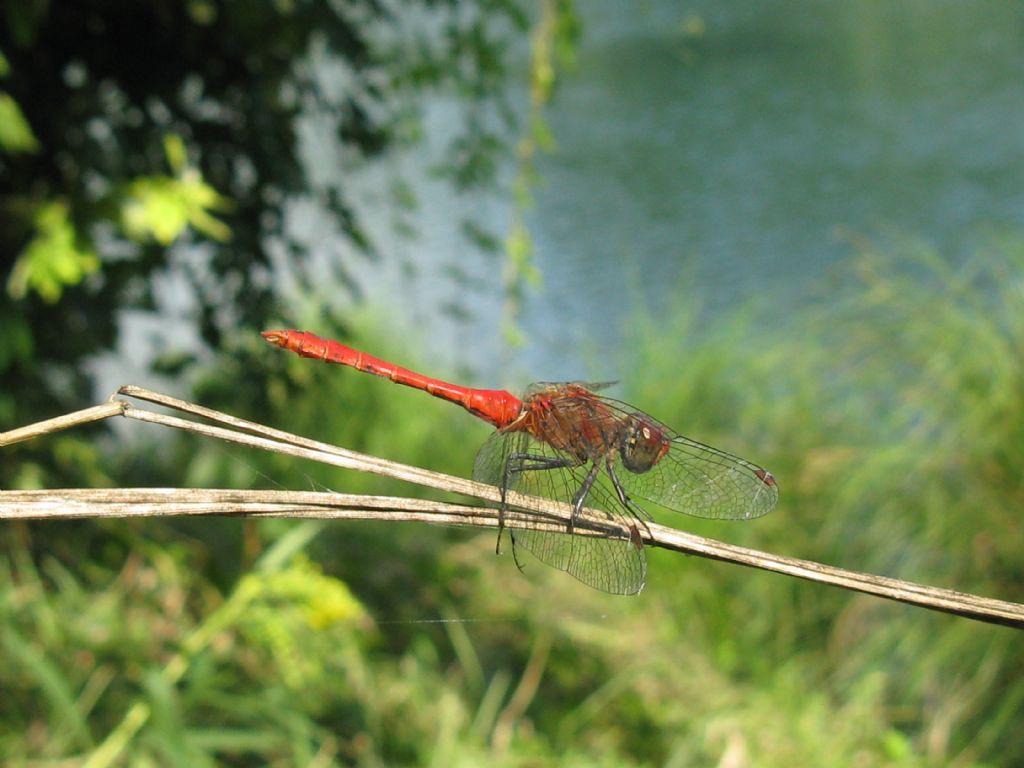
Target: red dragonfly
565, 442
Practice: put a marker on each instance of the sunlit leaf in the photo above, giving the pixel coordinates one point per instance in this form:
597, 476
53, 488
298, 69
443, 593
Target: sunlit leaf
53, 259
177, 155
153, 209
288, 614
202, 13
512, 335
162, 208
541, 133
519, 245
15, 133
568, 28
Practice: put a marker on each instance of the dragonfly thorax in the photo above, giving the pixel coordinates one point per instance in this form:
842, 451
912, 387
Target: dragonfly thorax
571, 419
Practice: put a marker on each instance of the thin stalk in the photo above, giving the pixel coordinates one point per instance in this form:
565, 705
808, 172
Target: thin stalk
550, 515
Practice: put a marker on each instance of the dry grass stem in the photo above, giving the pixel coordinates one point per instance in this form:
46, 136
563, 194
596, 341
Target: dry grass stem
148, 502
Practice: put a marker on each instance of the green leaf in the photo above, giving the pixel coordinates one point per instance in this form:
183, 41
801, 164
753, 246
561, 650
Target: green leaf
56, 692
177, 155
15, 133
202, 12
289, 614
153, 209
519, 245
541, 133
162, 208
53, 259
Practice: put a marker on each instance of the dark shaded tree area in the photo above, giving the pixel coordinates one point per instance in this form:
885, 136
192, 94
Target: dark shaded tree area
139, 132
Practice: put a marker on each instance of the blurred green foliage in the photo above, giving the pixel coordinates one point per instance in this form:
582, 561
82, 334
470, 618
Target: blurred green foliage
147, 140
553, 47
166, 207
15, 133
53, 259
891, 417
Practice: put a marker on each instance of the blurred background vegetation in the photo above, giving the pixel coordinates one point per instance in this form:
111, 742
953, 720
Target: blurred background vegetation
156, 167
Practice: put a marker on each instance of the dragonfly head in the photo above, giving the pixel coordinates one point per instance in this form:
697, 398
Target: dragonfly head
644, 443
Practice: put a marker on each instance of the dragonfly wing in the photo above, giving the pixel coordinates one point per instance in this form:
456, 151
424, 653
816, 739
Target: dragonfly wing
688, 477
613, 561
703, 481
613, 565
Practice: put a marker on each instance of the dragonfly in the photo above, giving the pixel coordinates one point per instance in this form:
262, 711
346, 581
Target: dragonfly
564, 441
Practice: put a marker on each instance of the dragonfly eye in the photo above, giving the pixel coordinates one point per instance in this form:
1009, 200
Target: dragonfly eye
644, 443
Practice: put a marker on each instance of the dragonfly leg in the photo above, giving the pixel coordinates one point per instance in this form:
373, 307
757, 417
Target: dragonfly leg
515, 556
528, 462
581, 493
524, 462
501, 517
639, 514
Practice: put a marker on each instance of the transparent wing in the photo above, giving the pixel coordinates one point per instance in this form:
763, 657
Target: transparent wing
704, 481
697, 479
614, 562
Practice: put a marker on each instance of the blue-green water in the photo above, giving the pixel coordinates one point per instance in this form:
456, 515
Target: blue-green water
728, 151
